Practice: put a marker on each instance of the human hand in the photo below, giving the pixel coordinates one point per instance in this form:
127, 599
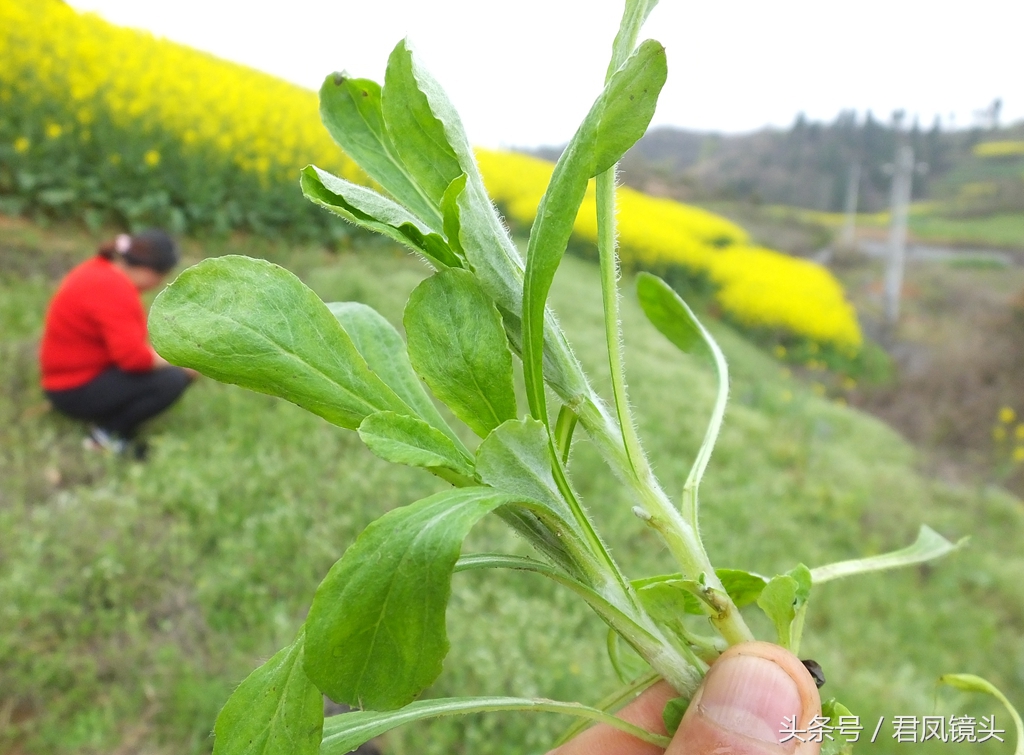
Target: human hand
193, 375
737, 710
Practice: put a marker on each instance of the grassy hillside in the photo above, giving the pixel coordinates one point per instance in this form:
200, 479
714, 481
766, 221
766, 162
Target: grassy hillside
969, 190
133, 597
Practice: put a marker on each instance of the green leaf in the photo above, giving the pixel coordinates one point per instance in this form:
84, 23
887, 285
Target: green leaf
783, 600
677, 322
616, 120
633, 16
833, 710
804, 582
673, 712
276, 709
407, 440
744, 587
368, 209
351, 111
417, 134
778, 601
383, 349
375, 634
929, 545
972, 683
515, 459
667, 601
671, 315
344, 733
254, 324
487, 247
457, 344
452, 213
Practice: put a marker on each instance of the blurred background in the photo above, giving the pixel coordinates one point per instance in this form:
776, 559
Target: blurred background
838, 191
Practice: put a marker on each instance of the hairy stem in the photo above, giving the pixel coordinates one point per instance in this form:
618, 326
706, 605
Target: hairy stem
680, 537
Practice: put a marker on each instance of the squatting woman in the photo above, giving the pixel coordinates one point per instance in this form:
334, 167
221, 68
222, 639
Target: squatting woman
96, 361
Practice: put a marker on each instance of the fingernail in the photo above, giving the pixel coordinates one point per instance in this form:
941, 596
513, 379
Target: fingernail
750, 696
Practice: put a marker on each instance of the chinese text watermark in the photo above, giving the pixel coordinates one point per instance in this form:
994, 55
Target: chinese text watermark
905, 729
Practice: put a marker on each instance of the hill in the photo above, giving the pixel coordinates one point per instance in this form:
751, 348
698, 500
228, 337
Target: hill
808, 165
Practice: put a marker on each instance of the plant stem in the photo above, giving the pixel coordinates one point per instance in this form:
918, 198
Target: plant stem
612, 333
681, 538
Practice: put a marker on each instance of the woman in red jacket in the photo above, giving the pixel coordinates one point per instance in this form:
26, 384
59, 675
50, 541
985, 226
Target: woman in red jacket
97, 364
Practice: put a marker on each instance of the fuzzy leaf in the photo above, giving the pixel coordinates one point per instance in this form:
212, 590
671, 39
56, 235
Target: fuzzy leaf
670, 314
368, 209
276, 709
515, 459
418, 136
254, 324
407, 440
375, 634
929, 545
616, 120
351, 111
457, 345
385, 353
452, 214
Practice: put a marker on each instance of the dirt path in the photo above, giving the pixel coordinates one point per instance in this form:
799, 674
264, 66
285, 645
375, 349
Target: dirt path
959, 356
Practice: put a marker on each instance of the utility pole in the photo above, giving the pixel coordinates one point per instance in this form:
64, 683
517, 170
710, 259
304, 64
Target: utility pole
846, 240
903, 171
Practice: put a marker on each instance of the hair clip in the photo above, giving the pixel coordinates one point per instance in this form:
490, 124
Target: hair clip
122, 243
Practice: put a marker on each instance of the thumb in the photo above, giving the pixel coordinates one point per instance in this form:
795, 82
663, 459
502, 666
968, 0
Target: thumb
742, 702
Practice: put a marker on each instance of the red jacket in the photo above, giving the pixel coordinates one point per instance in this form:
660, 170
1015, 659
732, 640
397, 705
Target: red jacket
95, 321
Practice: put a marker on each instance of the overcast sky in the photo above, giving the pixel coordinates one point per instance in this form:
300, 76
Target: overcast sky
524, 73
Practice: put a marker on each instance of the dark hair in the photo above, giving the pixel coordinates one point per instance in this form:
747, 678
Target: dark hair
152, 248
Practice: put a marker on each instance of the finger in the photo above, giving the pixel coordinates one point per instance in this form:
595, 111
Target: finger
602, 739
740, 707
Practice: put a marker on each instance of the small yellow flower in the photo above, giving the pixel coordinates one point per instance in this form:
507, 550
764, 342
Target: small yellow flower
1007, 415
1018, 454
1019, 432
114, 159
152, 158
21, 144
54, 130
998, 433
780, 351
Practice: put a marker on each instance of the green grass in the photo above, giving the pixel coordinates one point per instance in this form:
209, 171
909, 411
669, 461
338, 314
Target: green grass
993, 230
134, 597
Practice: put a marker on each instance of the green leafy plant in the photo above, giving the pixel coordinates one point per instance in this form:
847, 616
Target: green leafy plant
375, 636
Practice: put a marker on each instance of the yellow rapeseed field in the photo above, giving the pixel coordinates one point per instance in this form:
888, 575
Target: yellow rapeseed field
114, 124
999, 149
759, 288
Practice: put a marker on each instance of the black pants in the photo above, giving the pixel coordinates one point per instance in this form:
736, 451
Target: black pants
120, 401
